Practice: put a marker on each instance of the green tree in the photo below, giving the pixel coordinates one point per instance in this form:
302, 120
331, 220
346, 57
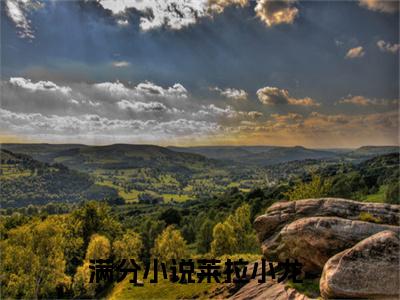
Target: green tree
170, 245
99, 248
235, 234
32, 261
205, 237
129, 246
224, 240
316, 188
392, 194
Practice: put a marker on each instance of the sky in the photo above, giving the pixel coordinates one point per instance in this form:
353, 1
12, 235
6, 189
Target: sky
322, 74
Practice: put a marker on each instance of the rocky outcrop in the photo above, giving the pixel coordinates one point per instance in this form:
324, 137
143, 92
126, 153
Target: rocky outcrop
314, 240
314, 231
370, 269
282, 213
268, 290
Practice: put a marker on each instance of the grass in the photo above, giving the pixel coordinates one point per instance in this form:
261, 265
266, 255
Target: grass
379, 196
164, 289
131, 196
367, 217
309, 287
176, 197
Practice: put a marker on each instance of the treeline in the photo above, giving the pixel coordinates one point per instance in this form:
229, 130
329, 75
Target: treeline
48, 256
25, 181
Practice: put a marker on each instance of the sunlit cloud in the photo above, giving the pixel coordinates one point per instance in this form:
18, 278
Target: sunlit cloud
231, 93
356, 52
275, 96
276, 12
385, 6
363, 101
120, 64
388, 47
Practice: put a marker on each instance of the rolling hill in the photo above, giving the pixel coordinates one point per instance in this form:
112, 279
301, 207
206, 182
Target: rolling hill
25, 181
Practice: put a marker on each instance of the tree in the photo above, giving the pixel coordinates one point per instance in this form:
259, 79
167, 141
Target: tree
99, 248
129, 246
235, 234
314, 189
392, 194
224, 240
170, 245
205, 237
171, 216
32, 261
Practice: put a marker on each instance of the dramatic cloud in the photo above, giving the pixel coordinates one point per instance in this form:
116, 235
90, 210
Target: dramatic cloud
388, 47
276, 12
91, 125
172, 14
385, 6
231, 93
218, 6
275, 96
142, 106
178, 14
356, 52
319, 130
363, 101
120, 64
38, 86
146, 111
17, 11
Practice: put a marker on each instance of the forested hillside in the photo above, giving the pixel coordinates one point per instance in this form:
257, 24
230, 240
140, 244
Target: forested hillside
27, 181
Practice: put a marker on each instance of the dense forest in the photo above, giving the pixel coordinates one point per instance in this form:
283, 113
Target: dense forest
56, 217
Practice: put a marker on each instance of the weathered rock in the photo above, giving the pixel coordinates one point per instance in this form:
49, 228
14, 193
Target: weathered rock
282, 213
370, 270
268, 290
314, 240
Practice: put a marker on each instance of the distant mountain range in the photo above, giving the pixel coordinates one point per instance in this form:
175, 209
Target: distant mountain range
86, 157
268, 155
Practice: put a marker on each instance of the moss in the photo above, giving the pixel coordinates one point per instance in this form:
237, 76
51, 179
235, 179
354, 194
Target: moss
367, 217
309, 287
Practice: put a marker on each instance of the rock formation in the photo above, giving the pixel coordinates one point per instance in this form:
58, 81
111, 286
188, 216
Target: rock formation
370, 269
354, 245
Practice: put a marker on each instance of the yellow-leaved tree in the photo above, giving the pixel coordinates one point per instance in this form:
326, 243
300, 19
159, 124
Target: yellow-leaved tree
235, 234
129, 246
99, 248
316, 188
32, 261
170, 245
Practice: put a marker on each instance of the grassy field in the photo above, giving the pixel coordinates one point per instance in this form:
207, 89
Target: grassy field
378, 196
164, 289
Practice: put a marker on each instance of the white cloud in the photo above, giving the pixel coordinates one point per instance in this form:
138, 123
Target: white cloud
17, 11
231, 93
215, 111
37, 124
178, 14
276, 12
388, 47
385, 6
275, 96
39, 86
363, 101
116, 89
172, 14
137, 106
356, 52
218, 6
120, 64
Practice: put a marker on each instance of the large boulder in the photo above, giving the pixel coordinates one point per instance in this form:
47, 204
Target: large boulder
314, 240
268, 290
282, 213
370, 269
